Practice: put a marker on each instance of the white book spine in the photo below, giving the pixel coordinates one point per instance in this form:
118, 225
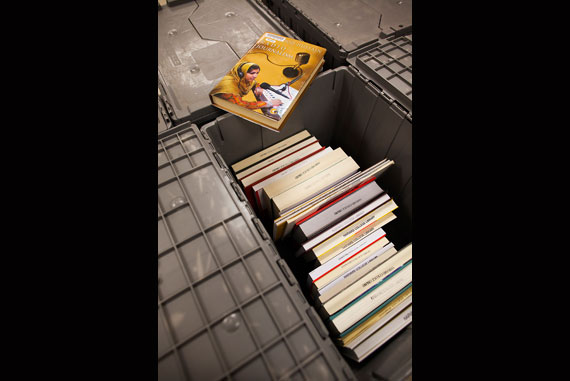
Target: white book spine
376, 326
311, 187
373, 299
344, 223
367, 281
375, 259
257, 188
263, 154
347, 254
357, 230
384, 334
282, 163
304, 173
275, 158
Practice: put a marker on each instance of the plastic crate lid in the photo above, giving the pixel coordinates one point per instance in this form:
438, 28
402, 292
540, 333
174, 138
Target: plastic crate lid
388, 63
228, 305
198, 43
354, 23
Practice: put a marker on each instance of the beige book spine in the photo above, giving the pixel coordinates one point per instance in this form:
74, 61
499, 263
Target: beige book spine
356, 311
280, 164
270, 161
342, 268
301, 192
360, 228
261, 155
402, 300
365, 282
303, 173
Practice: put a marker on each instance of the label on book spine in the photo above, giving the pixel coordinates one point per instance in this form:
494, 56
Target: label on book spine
347, 221
347, 254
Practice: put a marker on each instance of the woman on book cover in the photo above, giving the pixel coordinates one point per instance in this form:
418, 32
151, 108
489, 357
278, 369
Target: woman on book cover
240, 81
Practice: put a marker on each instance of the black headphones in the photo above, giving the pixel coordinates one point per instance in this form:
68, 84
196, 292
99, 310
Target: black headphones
239, 72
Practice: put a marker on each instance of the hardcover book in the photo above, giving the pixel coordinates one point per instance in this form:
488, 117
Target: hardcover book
265, 85
379, 337
313, 186
374, 297
335, 211
377, 318
257, 157
365, 282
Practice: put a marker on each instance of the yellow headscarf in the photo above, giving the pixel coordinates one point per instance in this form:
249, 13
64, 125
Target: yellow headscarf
231, 83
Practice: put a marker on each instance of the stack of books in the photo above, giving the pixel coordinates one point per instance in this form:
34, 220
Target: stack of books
318, 198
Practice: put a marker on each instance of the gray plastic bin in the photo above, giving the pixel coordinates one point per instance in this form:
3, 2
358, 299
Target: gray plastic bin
198, 43
342, 108
345, 25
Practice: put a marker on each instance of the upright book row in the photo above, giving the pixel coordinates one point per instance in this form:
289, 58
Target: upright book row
320, 200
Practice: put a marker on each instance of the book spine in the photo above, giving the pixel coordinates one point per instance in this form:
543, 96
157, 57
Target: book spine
279, 164
329, 254
347, 221
249, 188
305, 172
262, 201
382, 335
369, 264
359, 228
322, 270
351, 263
312, 205
275, 158
334, 201
393, 310
277, 147
329, 216
377, 314
367, 282
363, 305
312, 187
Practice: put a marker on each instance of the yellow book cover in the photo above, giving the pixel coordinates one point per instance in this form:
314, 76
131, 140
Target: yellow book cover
265, 85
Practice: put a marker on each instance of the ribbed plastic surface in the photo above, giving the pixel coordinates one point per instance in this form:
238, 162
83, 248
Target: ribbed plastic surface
345, 25
228, 305
198, 43
388, 64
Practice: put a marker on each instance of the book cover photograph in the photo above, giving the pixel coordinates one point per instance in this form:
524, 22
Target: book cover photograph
265, 85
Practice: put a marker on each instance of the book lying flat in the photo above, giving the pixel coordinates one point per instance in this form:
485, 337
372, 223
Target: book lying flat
335, 211
376, 319
301, 174
343, 224
345, 255
257, 188
282, 164
269, 151
362, 306
274, 158
379, 337
358, 228
363, 258
284, 225
344, 280
313, 185
352, 238
366, 282
265, 85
